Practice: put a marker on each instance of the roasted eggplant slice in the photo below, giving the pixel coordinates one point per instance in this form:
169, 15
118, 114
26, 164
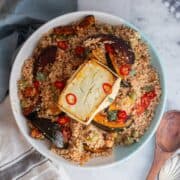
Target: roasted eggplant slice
50, 130
64, 30
102, 122
87, 22
120, 51
47, 56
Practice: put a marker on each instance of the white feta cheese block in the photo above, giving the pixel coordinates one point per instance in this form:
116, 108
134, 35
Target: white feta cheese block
84, 95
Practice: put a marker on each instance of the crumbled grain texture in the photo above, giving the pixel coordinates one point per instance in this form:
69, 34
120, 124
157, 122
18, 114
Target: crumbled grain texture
99, 142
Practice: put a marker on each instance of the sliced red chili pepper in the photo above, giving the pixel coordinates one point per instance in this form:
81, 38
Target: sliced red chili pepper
71, 98
62, 44
151, 95
109, 48
79, 51
122, 116
62, 120
36, 84
125, 69
145, 101
107, 88
66, 132
59, 84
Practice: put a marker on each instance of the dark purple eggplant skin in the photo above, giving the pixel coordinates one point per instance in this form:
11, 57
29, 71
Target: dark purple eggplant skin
47, 56
119, 44
49, 129
109, 62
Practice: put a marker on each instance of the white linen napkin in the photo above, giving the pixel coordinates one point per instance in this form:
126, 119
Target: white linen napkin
18, 160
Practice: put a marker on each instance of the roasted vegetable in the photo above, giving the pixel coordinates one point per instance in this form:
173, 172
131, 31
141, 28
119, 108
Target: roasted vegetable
49, 129
99, 150
47, 56
64, 30
118, 52
102, 122
87, 22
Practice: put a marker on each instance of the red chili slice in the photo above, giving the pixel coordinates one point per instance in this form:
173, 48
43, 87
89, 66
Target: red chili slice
62, 44
122, 116
79, 51
62, 120
151, 95
36, 84
59, 84
125, 69
145, 101
71, 98
109, 48
107, 88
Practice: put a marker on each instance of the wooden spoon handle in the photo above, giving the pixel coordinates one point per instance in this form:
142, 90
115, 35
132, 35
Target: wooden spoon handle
159, 159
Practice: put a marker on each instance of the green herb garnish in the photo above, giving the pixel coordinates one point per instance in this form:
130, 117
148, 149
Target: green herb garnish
110, 99
40, 76
112, 115
132, 72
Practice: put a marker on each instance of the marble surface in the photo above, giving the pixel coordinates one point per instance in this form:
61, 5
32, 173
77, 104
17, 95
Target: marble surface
163, 30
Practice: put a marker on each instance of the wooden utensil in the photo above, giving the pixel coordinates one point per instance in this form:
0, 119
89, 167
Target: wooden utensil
167, 141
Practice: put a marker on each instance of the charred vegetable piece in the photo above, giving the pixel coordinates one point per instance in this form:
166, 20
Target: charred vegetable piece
64, 30
109, 62
87, 22
115, 46
50, 130
47, 56
102, 122
99, 150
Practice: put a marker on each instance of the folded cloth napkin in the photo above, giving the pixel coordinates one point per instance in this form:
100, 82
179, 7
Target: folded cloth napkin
18, 160
18, 19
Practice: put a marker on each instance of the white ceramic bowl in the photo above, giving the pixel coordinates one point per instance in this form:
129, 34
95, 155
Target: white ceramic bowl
120, 153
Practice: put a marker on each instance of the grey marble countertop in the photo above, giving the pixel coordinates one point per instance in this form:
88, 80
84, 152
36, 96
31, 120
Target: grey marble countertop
152, 17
